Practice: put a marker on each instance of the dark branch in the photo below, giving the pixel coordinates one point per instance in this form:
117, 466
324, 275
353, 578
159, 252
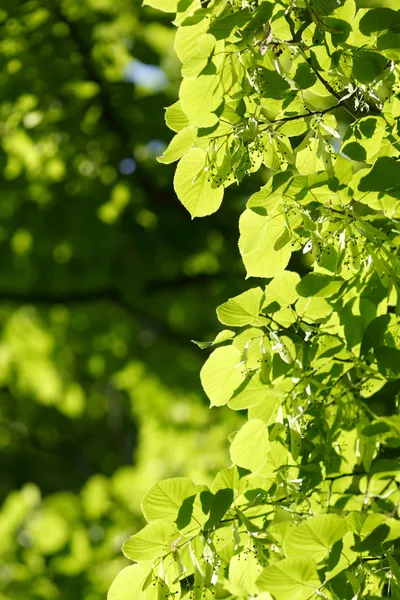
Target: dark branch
310, 113
181, 282
101, 295
110, 114
90, 66
328, 87
334, 477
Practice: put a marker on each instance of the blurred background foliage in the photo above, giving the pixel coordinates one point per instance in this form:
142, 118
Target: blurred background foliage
104, 280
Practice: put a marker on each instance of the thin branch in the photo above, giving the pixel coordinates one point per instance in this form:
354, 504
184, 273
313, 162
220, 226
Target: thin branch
281, 327
181, 282
354, 474
90, 66
327, 85
110, 113
310, 113
101, 295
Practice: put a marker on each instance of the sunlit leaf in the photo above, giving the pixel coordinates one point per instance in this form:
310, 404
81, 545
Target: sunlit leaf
127, 584
315, 536
250, 446
151, 542
179, 146
258, 237
295, 578
242, 310
165, 5
165, 498
193, 186
221, 375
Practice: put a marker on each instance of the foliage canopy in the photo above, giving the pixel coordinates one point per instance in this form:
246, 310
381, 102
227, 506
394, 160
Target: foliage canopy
93, 243
308, 92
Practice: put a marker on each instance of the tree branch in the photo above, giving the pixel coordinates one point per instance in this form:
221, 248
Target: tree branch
327, 85
101, 295
334, 477
160, 285
110, 114
311, 113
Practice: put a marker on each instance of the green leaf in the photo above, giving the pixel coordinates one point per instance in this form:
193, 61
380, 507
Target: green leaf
243, 309
294, 578
379, 19
221, 502
377, 428
200, 98
315, 536
368, 65
394, 567
220, 338
251, 393
272, 84
355, 151
198, 194
166, 497
388, 360
164, 5
319, 285
151, 542
313, 308
244, 568
226, 23
179, 146
175, 118
193, 512
195, 65
374, 333
250, 447
304, 76
258, 237
369, 133
127, 584
384, 175
268, 408
221, 375
282, 290
311, 157
227, 478
189, 33
324, 7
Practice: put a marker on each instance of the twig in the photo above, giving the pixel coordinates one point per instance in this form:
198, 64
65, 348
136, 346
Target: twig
110, 295
110, 113
354, 474
310, 113
327, 85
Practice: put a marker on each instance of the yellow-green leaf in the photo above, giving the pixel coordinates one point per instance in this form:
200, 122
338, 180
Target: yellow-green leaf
198, 194
250, 446
221, 375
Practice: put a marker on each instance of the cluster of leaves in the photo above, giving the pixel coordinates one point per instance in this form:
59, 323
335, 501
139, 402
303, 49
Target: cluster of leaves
266, 84
308, 91
91, 413
60, 541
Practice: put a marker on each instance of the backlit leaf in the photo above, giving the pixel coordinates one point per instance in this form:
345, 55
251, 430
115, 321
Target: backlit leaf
166, 497
242, 310
151, 542
250, 447
193, 187
221, 375
315, 536
294, 578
